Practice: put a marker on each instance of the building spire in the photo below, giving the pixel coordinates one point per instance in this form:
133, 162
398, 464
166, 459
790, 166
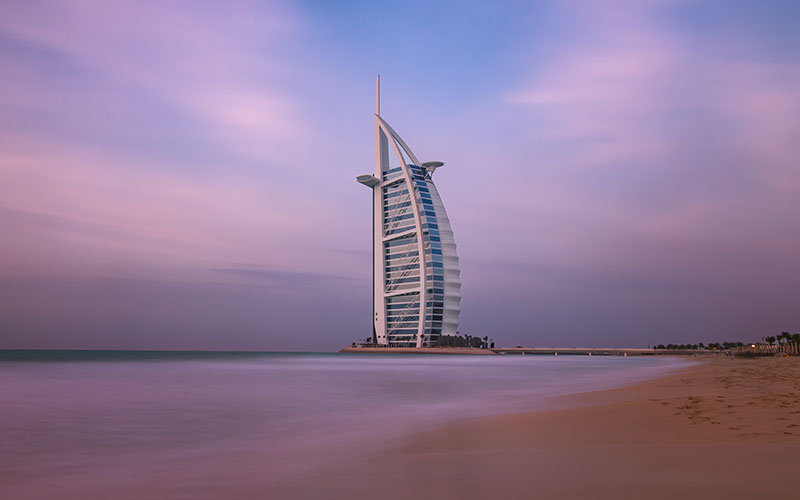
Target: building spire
378, 96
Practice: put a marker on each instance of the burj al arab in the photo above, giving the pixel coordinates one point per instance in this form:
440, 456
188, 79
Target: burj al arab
416, 277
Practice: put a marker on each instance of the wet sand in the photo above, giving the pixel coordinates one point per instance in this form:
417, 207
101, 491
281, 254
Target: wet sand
729, 428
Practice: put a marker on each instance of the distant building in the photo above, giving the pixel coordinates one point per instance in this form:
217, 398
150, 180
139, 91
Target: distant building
411, 232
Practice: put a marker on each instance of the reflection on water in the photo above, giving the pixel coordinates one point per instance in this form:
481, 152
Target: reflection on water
196, 425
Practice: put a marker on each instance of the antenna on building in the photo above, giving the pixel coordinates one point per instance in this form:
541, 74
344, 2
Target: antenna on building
378, 97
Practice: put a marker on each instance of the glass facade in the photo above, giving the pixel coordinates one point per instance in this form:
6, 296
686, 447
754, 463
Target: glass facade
406, 188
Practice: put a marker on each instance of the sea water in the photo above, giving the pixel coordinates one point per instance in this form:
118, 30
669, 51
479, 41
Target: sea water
74, 424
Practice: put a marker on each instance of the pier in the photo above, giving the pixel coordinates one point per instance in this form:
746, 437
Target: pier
585, 351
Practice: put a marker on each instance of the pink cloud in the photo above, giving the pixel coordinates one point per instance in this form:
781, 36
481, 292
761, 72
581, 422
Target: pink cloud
614, 89
91, 207
622, 100
223, 65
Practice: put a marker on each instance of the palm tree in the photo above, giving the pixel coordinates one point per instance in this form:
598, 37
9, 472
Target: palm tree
784, 337
771, 339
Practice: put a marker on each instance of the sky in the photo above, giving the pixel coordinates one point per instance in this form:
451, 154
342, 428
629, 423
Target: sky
181, 175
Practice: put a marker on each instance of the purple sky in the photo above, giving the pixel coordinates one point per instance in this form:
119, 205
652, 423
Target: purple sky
181, 175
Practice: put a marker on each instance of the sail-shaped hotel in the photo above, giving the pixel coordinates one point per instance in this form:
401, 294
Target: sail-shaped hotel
411, 234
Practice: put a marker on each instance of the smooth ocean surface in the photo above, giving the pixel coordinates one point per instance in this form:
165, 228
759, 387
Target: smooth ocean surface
94, 423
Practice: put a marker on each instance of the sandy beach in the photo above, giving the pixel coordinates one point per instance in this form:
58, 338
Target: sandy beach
727, 428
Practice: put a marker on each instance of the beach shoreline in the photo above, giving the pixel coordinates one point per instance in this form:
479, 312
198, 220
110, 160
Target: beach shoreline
724, 428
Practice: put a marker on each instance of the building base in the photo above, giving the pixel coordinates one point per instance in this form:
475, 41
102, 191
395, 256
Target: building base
418, 350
